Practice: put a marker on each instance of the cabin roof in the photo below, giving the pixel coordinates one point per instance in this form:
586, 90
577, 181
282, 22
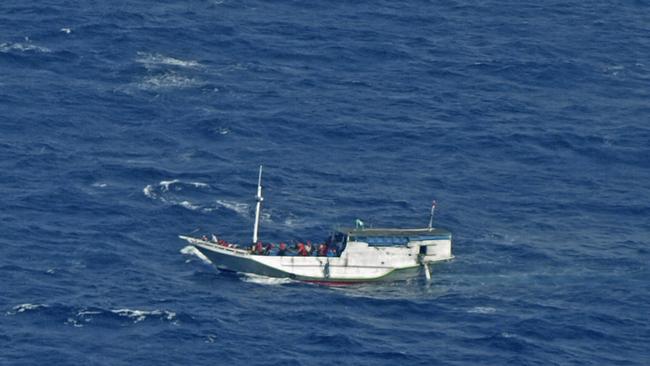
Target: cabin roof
394, 232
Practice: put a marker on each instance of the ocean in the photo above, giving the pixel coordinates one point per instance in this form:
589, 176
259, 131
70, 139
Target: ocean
126, 123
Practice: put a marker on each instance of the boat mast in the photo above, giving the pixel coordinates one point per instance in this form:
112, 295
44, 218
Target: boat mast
259, 200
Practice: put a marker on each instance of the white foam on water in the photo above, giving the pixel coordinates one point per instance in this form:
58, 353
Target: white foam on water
166, 183
140, 315
482, 310
157, 192
83, 313
151, 59
222, 130
240, 208
266, 216
66, 30
22, 47
264, 280
26, 307
191, 250
188, 205
148, 191
168, 80
73, 322
99, 185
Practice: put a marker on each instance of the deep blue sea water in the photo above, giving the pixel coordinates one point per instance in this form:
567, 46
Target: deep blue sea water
126, 123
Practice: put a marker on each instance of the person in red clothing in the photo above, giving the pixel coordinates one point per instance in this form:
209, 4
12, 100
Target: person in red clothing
322, 250
282, 249
259, 248
301, 250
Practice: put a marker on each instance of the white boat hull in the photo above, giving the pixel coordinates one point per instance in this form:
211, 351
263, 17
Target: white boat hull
358, 263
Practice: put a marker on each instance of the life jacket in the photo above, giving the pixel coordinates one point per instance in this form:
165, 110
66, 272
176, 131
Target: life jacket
301, 249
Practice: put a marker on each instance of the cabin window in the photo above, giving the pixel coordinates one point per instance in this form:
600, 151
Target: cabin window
382, 241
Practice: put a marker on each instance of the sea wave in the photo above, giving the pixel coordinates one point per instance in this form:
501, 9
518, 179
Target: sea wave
264, 280
141, 315
26, 307
192, 251
239, 207
163, 192
166, 81
79, 317
155, 59
22, 47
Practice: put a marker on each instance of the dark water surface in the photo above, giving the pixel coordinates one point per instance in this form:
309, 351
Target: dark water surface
126, 123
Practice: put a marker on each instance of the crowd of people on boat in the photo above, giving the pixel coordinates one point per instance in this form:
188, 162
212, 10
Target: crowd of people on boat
298, 249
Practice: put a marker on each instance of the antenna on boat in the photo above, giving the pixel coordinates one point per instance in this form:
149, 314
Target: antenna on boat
433, 209
259, 200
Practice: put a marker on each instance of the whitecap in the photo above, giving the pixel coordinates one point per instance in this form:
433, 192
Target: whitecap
188, 205
159, 192
191, 250
222, 130
73, 322
26, 307
168, 80
152, 59
264, 280
22, 47
83, 313
140, 315
166, 183
238, 207
99, 185
482, 310
66, 30
266, 216
148, 191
